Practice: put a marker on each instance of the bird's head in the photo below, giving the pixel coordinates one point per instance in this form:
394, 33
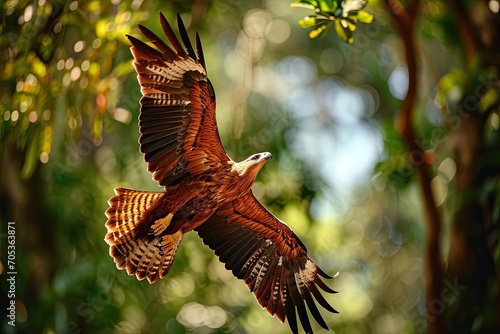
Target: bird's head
252, 165
258, 159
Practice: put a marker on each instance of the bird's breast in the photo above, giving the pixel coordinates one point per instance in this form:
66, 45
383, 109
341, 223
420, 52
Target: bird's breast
211, 193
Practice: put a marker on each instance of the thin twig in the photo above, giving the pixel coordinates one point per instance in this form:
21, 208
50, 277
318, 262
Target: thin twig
467, 30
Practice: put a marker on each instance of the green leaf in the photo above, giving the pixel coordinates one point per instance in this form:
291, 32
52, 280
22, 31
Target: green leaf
450, 87
335, 5
316, 32
101, 28
364, 17
308, 21
489, 100
309, 4
451, 79
31, 160
124, 68
302, 5
348, 25
344, 34
327, 6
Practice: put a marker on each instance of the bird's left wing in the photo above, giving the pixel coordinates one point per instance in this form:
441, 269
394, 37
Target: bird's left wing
264, 252
177, 122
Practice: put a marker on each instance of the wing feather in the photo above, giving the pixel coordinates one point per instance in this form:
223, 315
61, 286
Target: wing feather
177, 108
289, 307
158, 42
199, 50
237, 267
185, 37
228, 248
169, 32
141, 50
263, 251
153, 145
161, 127
242, 252
315, 312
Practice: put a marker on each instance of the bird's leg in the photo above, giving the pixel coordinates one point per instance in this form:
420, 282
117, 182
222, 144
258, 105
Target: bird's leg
169, 243
160, 225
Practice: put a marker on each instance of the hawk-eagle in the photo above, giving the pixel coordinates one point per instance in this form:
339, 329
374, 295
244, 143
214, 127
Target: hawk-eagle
205, 190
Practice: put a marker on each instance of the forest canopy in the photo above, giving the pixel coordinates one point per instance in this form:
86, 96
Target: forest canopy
382, 118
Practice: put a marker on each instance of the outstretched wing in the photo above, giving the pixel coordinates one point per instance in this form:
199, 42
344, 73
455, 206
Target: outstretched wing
179, 133
270, 258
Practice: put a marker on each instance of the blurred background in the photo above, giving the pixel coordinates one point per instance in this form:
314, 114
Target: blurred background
366, 203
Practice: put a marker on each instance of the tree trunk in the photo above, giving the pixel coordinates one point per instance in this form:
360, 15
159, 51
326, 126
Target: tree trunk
22, 203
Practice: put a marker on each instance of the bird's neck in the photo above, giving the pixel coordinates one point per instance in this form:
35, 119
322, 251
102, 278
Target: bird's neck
243, 176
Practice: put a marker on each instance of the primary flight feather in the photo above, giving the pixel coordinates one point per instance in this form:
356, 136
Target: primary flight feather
205, 190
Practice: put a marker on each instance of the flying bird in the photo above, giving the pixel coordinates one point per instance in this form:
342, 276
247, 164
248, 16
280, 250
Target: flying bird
204, 190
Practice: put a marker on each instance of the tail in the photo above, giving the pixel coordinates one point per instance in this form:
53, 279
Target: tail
135, 237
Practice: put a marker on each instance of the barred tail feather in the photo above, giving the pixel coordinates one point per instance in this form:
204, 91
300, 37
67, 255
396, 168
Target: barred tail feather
136, 242
124, 214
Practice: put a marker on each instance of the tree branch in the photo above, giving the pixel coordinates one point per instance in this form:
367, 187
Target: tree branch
467, 30
404, 19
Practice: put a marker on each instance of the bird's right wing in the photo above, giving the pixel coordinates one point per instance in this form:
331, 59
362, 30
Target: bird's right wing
270, 258
177, 122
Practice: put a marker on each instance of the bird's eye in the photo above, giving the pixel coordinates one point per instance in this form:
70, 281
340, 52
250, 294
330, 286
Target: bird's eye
256, 157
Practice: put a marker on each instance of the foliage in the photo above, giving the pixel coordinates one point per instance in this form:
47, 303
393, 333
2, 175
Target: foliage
341, 176
48, 54
343, 14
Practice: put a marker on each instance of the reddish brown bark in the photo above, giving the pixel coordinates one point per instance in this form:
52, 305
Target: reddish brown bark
404, 19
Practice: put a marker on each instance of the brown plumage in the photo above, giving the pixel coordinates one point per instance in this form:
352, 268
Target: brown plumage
205, 191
